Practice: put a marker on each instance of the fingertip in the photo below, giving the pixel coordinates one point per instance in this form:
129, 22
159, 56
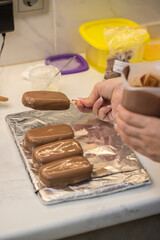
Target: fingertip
86, 102
118, 111
119, 107
79, 105
100, 100
80, 98
116, 127
109, 106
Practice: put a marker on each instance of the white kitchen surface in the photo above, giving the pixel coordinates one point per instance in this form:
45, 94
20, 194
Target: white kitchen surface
22, 215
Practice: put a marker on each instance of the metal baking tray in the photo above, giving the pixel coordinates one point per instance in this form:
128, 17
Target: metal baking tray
115, 166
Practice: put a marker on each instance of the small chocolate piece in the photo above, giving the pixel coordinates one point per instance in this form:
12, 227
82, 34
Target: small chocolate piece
56, 150
39, 136
64, 172
150, 80
45, 100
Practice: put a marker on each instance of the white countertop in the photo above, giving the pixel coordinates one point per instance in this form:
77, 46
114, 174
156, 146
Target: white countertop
22, 215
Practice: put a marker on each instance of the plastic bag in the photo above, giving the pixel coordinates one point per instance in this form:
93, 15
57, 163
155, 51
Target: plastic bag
124, 43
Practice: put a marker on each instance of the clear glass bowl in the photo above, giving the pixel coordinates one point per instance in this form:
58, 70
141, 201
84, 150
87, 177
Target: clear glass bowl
44, 78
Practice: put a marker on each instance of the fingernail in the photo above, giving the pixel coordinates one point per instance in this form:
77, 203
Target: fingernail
109, 106
100, 100
115, 127
80, 98
115, 114
119, 106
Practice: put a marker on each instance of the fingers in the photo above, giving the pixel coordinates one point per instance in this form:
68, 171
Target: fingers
104, 113
109, 117
132, 142
125, 128
85, 104
130, 135
138, 132
116, 99
104, 89
130, 130
132, 119
82, 106
95, 94
99, 108
97, 105
94, 102
139, 146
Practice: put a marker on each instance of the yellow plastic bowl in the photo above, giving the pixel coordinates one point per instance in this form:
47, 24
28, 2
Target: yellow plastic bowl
97, 50
152, 50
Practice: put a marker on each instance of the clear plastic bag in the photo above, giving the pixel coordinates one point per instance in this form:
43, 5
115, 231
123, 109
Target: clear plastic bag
124, 44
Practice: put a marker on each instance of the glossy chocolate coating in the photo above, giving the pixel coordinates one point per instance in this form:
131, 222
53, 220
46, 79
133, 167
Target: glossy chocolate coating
45, 100
39, 136
64, 172
56, 150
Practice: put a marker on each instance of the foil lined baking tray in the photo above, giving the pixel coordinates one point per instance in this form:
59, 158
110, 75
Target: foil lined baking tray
115, 166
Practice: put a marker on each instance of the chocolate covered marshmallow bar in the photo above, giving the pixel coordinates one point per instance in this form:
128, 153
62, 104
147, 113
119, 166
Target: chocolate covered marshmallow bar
39, 136
56, 150
64, 172
46, 100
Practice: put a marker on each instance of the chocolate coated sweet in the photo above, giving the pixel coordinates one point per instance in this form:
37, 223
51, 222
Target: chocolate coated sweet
39, 136
150, 80
45, 100
64, 172
56, 150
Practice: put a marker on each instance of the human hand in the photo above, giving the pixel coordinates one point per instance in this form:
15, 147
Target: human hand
103, 100
139, 132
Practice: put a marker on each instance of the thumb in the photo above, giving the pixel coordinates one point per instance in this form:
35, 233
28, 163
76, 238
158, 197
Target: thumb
93, 97
86, 102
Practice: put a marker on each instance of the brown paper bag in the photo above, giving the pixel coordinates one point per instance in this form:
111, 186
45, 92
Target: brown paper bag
137, 98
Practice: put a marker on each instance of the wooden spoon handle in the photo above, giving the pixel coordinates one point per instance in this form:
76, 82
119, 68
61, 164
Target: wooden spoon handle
3, 99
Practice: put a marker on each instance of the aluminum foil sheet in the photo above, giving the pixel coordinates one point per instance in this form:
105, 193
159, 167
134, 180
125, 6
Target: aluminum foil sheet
115, 166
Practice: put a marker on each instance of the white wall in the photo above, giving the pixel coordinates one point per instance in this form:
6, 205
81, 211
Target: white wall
37, 37
70, 14
33, 38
